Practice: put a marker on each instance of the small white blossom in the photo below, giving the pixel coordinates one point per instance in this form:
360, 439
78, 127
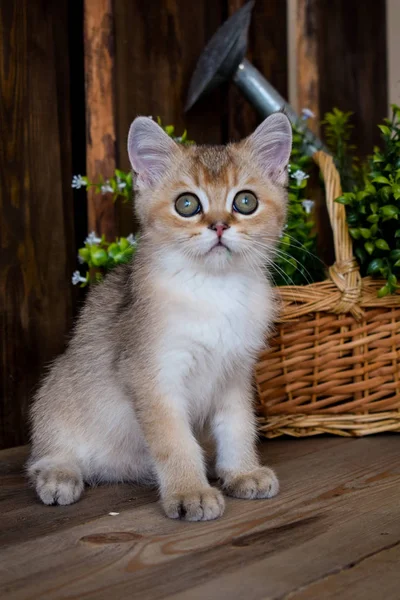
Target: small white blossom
132, 239
80, 259
308, 205
77, 278
113, 514
299, 176
92, 239
106, 188
121, 184
307, 113
78, 182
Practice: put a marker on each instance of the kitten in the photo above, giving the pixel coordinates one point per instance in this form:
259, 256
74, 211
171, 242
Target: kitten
165, 346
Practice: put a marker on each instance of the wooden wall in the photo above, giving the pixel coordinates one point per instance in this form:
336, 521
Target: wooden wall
36, 216
156, 44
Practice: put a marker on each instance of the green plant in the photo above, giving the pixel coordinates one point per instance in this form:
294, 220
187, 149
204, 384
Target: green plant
296, 261
373, 208
337, 132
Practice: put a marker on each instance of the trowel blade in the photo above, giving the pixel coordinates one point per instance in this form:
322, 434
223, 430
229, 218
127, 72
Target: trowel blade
222, 55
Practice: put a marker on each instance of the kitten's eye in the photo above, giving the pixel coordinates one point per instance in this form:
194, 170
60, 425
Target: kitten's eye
187, 205
245, 203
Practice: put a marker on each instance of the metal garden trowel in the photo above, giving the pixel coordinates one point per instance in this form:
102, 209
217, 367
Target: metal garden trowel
224, 58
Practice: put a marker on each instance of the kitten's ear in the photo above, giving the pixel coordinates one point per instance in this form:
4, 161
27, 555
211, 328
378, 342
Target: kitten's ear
271, 144
150, 150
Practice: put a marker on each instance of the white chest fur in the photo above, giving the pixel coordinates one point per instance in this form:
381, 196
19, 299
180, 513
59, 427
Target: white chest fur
213, 324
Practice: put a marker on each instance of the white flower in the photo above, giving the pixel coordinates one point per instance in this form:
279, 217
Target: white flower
307, 113
299, 176
132, 239
121, 184
92, 239
106, 188
78, 182
308, 205
80, 259
77, 278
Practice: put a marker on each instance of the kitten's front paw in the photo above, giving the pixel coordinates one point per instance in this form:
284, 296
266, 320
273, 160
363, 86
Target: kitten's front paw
260, 483
58, 486
202, 505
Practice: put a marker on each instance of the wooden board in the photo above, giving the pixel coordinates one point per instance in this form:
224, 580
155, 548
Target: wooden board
100, 114
307, 59
352, 64
36, 225
334, 528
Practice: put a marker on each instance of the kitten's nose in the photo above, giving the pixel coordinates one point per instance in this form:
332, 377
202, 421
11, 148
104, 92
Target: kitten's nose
219, 227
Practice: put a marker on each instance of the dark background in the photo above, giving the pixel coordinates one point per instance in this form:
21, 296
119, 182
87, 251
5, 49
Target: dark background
42, 120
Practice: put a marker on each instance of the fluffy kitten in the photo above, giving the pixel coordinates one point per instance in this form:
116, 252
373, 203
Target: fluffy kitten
165, 347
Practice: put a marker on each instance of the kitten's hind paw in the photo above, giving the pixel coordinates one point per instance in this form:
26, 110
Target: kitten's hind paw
260, 483
57, 484
201, 505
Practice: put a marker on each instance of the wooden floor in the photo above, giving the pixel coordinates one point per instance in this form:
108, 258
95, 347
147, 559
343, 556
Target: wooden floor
333, 532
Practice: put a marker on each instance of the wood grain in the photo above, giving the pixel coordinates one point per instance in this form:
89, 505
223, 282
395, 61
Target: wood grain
307, 59
338, 510
36, 245
352, 64
100, 118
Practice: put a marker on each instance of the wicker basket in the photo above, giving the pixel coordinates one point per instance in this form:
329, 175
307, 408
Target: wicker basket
333, 365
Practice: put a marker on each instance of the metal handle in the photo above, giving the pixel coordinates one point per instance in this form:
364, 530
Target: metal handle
267, 100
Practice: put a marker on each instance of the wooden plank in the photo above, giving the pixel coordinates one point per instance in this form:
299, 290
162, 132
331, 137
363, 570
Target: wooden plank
268, 52
100, 119
352, 64
23, 518
307, 59
376, 576
36, 249
338, 506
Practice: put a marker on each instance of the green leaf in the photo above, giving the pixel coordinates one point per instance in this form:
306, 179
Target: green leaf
382, 244
397, 234
84, 253
355, 233
374, 207
385, 130
361, 255
113, 250
369, 246
375, 266
383, 291
123, 244
373, 219
395, 255
366, 233
392, 280
397, 263
390, 211
381, 179
99, 256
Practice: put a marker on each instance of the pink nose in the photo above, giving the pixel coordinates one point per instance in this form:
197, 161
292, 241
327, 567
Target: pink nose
219, 228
